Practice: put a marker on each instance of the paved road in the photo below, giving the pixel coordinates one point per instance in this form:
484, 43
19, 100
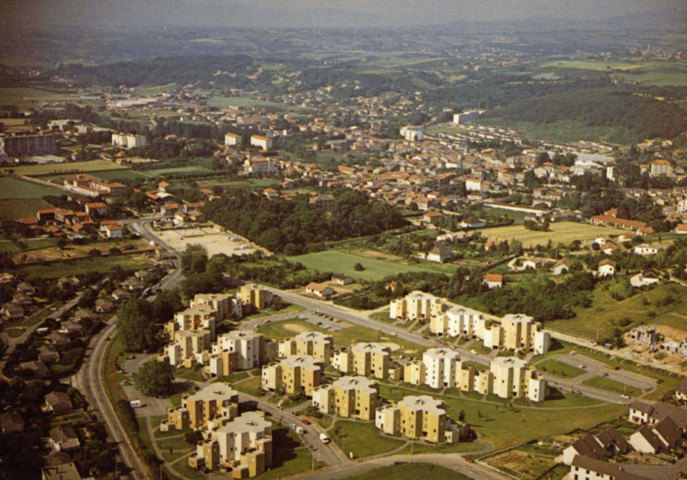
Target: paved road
89, 381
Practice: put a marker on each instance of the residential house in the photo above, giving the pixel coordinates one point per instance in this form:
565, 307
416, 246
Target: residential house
493, 280
57, 403
319, 290
63, 438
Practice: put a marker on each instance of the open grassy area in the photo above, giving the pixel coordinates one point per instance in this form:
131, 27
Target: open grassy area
15, 188
336, 261
362, 439
119, 175
655, 73
218, 101
248, 183
251, 386
612, 386
507, 425
410, 471
559, 369
84, 265
561, 232
605, 314
31, 244
62, 168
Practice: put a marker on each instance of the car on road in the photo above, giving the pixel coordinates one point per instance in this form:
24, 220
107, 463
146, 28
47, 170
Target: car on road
107, 338
616, 368
305, 421
603, 374
324, 438
626, 397
425, 337
300, 431
292, 426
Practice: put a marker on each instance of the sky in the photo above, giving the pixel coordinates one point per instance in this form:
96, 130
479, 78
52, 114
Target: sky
309, 13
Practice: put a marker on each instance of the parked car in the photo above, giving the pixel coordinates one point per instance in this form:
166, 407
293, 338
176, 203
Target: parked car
305, 421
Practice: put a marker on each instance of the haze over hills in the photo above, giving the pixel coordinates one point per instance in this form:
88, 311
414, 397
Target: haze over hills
329, 14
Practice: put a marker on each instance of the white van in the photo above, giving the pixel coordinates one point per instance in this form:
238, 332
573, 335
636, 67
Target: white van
136, 404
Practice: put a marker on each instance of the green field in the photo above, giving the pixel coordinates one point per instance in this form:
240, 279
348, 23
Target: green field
605, 314
336, 261
25, 98
612, 386
560, 369
84, 265
249, 183
15, 188
17, 208
63, 168
562, 232
410, 471
179, 171
655, 73
116, 175
362, 439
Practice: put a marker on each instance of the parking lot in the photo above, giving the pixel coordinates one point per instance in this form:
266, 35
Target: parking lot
590, 365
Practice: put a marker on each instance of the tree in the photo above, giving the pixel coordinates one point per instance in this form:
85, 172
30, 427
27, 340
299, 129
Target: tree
358, 267
194, 259
154, 378
136, 327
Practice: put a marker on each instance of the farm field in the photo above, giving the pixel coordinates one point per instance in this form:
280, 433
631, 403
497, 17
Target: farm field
250, 183
15, 188
114, 175
336, 261
84, 265
562, 232
25, 97
605, 314
656, 73
52, 253
17, 208
62, 168
178, 171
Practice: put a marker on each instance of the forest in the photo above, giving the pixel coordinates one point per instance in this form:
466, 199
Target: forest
295, 227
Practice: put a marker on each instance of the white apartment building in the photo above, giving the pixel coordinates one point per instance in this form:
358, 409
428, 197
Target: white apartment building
440, 367
249, 346
262, 142
513, 379
128, 140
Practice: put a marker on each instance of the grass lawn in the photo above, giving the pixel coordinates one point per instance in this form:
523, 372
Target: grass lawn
569, 400
560, 369
84, 265
336, 261
410, 471
289, 456
193, 374
173, 448
28, 97
561, 232
505, 425
363, 439
233, 378
382, 316
117, 175
251, 386
605, 314
11, 187
31, 244
612, 386
63, 168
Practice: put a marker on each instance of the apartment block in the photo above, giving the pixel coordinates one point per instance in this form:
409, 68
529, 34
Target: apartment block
419, 417
513, 379
222, 363
456, 321
371, 359
293, 374
522, 332
215, 402
414, 372
198, 317
244, 445
440, 367
314, 344
252, 349
225, 305
342, 360
256, 297
416, 306
348, 397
